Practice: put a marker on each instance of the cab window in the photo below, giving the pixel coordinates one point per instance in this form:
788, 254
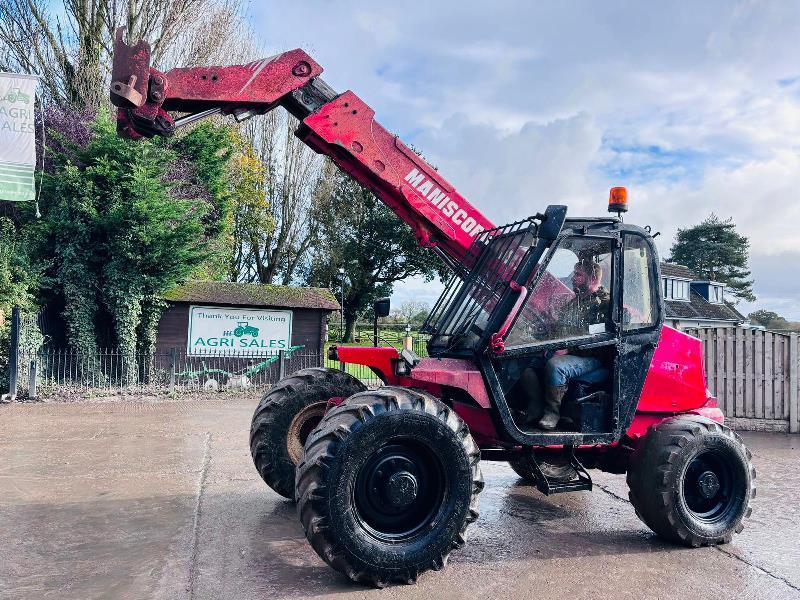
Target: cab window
572, 298
638, 298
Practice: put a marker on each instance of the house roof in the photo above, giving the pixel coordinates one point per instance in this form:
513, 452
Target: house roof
673, 270
253, 294
697, 307
700, 308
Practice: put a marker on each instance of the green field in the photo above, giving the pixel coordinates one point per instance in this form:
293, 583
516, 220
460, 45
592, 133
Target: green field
363, 337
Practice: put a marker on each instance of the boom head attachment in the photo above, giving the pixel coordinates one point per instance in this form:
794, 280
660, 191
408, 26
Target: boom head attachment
143, 94
138, 91
340, 126
130, 72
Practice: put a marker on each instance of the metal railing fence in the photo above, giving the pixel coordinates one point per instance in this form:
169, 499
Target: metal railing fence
392, 334
69, 370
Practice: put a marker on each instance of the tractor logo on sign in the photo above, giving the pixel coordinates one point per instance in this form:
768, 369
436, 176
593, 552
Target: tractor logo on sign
244, 328
17, 95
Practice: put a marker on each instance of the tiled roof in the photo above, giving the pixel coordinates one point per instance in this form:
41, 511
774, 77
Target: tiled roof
700, 308
673, 270
253, 294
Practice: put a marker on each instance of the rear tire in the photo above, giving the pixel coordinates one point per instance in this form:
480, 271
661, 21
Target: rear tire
286, 416
691, 481
388, 485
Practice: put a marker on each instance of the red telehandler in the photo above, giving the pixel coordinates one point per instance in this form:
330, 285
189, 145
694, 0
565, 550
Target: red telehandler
387, 480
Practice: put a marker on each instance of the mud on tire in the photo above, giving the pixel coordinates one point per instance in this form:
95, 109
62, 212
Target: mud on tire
691, 481
278, 430
388, 485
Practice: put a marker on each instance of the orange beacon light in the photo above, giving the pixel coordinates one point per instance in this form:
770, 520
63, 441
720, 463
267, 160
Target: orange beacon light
618, 200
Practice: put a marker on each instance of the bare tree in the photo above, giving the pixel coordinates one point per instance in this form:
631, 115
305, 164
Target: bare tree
296, 182
71, 49
411, 311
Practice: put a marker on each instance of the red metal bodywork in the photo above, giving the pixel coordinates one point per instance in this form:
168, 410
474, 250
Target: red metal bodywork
675, 383
377, 159
431, 375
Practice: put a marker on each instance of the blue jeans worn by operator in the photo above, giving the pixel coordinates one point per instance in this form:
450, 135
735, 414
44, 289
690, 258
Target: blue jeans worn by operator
559, 370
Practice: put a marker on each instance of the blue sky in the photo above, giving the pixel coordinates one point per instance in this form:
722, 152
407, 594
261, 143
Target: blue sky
695, 107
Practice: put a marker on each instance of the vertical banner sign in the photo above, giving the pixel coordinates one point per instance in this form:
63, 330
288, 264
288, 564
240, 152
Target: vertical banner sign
17, 136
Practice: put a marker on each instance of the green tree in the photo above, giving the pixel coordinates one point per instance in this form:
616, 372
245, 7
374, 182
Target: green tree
18, 275
772, 320
374, 247
251, 220
205, 169
69, 43
765, 317
411, 311
124, 222
715, 251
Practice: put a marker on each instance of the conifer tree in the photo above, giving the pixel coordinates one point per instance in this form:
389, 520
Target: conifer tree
714, 250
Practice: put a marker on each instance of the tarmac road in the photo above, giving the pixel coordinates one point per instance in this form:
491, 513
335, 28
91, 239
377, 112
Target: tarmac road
160, 500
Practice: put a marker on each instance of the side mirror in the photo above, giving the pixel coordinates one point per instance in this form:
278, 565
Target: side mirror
382, 307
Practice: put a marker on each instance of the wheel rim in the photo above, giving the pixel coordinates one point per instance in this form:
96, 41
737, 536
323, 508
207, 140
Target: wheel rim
399, 490
301, 426
708, 487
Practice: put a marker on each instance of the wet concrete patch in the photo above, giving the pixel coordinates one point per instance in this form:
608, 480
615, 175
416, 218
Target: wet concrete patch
160, 500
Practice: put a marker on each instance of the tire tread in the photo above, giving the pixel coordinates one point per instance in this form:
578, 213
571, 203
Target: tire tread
315, 382
340, 422
657, 453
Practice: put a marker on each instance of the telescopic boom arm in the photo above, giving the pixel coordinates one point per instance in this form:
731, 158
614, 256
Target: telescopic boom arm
340, 126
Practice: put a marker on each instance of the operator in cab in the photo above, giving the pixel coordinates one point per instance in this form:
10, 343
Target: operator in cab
586, 312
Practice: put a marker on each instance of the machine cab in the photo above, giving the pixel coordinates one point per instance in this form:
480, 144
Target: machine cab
557, 302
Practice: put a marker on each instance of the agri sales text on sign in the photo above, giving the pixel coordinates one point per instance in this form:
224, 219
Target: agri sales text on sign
241, 330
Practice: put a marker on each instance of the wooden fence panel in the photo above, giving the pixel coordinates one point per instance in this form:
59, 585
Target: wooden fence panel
748, 374
758, 396
709, 346
719, 346
754, 376
794, 384
769, 376
738, 372
782, 378
730, 405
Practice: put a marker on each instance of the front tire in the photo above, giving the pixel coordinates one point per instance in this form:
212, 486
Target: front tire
286, 416
388, 485
691, 481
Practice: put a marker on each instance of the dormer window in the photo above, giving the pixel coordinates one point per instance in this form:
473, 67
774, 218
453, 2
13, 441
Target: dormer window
715, 293
676, 289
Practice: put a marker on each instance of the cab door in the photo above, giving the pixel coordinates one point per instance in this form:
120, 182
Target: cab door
547, 324
641, 321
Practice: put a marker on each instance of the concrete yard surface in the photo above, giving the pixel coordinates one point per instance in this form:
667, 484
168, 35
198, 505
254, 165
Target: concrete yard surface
144, 499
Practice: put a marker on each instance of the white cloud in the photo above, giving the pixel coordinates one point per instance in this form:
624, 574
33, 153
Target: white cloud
416, 289
511, 176
522, 104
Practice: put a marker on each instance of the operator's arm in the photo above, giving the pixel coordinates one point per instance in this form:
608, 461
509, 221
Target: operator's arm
341, 126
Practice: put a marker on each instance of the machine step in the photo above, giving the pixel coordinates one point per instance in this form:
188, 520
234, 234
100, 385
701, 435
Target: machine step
548, 485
